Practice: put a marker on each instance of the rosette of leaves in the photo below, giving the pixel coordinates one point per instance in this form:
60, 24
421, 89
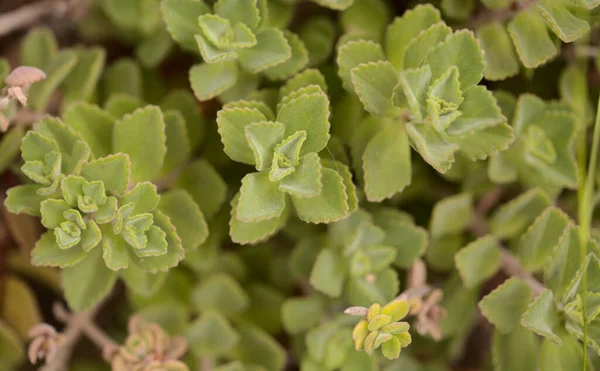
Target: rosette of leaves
104, 217
355, 262
542, 154
236, 41
424, 94
529, 33
290, 174
382, 329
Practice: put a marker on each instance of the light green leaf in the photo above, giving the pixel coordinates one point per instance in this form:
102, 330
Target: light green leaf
75, 152
57, 69
254, 232
143, 196
462, 50
231, 122
112, 170
216, 31
460, 305
366, 19
564, 24
538, 242
432, 146
458, 9
451, 215
479, 145
154, 49
531, 38
94, 125
331, 205
205, 185
220, 292
308, 112
123, 76
410, 240
500, 58
210, 80
211, 335
83, 79
9, 146
443, 98
244, 86
186, 216
418, 48
504, 306
568, 356
516, 351
262, 137
183, 101
265, 306
404, 29
305, 181
468, 261
178, 144
20, 309
212, 54
303, 79
301, 314
259, 199
87, 282
120, 104
258, 347
374, 83
24, 199
562, 266
354, 53
479, 111
114, 250
386, 163
38, 47
261, 106
297, 61
236, 11
329, 273
335, 4
542, 317
511, 219
382, 290
181, 18
271, 49
411, 91
46, 253
143, 283
148, 151
11, 348
318, 34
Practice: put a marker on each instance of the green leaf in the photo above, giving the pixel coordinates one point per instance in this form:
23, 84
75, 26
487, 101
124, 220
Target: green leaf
531, 38
143, 196
20, 309
24, 199
258, 347
305, 181
265, 307
542, 317
374, 84
231, 122
418, 48
178, 144
564, 262
262, 137
308, 112
301, 314
254, 232
410, 240
329, 273
259, 199
9, 146
458, 9
123, 76
504, 306
148, 151
460, 304
38, 47
112, 170
589, 269
211, 335
297, 61
57, 69
404, 29
451, 215
318, 34
468, 261
271, 49
185, 103
432, 146
181, 18
564, 24
83, 79
568, 356
87, 282
516, 351
500, 58
154, 49
335, 4
411, 91
443, 99
481, 144
329, 206
303, 79
120, 104
205, 185
220, 292
366, 18
382, 290
511, 219
479, 111
217, 31
354, 53
143, 283
46, 253
94, 125
210, 80
186, 216
210, 53
386, 163
114, 250
538, 242
11, 348
462, 50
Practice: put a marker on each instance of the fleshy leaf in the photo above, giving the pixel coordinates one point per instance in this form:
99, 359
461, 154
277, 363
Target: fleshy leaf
87, 282
123, 76
479, 111
303, 79
562, 266
329, 273
231, 122
208, 80
305, 181
511, 219
47, 253
425, 41
411, 91
205, 185
262, 137
297, 61
259, 348
354, 53
515, 351
38, 47
542, 317
114, 250
186, 216
318, 34
504, 306
374, 84
220, 292
259, 199
469, 261
112, 170
147, 151
564, 24
83, 79
329, 206
57, 69
451, 215
120, 104
211, 334
271, 49
178, 144
236, 11
254, 232
95, 125
24, 199
432, 146
143, 196
531, 38
500, 58
301, 314
181, 18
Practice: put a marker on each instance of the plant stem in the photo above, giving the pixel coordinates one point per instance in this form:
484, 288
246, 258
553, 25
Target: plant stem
585, 209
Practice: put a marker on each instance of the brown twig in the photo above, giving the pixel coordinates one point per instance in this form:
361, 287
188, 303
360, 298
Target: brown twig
486, 16
28, 15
